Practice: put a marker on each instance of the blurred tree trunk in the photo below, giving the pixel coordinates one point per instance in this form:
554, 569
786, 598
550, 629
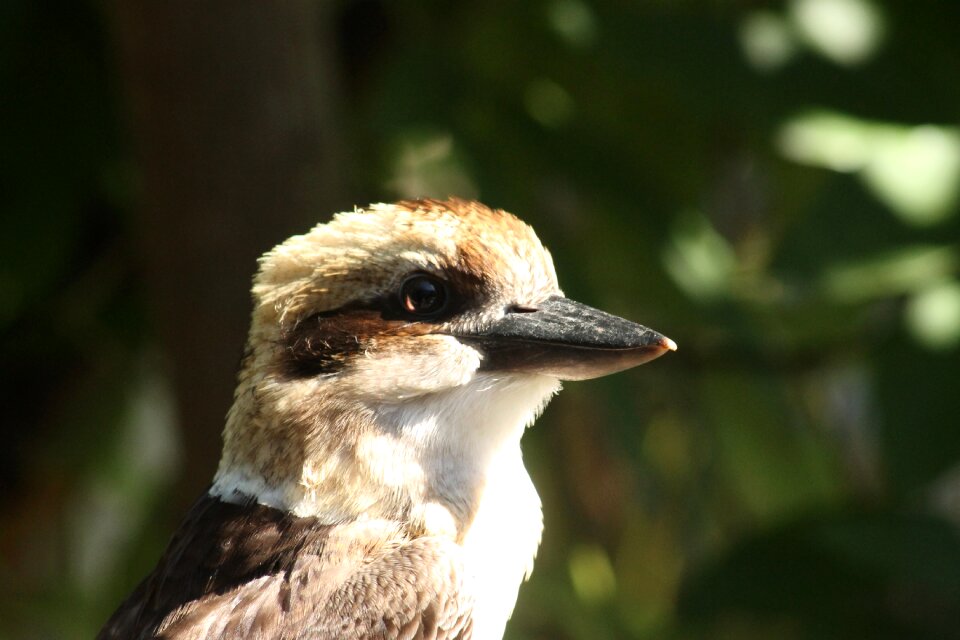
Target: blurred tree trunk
233, 112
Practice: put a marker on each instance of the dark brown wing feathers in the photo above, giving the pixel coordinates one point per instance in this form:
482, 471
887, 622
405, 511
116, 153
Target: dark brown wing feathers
249, 571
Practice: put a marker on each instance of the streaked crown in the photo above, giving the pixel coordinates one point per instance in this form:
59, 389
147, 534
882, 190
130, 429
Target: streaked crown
362, 255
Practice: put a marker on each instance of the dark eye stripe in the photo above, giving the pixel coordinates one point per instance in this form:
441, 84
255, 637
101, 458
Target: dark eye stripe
324, 342
319, 345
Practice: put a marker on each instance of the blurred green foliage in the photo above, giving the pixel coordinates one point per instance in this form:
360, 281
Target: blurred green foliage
774, 185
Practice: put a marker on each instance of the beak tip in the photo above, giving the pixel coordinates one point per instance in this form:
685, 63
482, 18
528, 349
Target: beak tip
668, 344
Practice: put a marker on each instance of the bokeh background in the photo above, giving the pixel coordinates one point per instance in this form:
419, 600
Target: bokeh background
774, 185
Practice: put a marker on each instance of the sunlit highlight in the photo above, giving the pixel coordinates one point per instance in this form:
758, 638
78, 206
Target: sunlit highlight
767, 40
699, 259
847, 32
427, 164
913, 170
907, 270
548, 103
933, 316
592, 575
573, 21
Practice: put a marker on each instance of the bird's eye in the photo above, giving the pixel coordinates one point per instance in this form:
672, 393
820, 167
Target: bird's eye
423, 295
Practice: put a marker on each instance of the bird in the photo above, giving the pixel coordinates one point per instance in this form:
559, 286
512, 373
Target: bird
371, 483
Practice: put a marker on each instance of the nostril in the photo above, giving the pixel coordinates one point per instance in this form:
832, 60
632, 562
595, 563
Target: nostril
521, 308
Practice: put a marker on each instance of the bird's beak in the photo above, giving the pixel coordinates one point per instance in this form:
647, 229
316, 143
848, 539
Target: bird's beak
568, 340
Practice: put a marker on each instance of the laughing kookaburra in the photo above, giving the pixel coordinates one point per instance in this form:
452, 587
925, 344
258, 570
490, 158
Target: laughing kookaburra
371, 483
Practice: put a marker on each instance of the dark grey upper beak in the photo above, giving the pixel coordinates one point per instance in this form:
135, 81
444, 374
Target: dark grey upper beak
568, 340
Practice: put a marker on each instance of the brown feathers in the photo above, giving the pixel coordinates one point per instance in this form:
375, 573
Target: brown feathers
248, 571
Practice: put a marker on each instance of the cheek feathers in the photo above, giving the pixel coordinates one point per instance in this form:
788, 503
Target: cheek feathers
375, 357
397, 368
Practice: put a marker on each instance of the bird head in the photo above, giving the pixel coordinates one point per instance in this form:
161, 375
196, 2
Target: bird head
395, 350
